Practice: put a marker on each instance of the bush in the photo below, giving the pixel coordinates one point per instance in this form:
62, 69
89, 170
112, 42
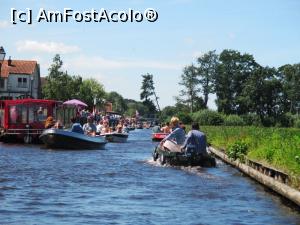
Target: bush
251, 120
237, 150
184, 117
208, 117
285, 120
234, 120
297, 123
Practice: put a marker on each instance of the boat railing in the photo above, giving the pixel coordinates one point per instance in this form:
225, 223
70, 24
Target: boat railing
24, 131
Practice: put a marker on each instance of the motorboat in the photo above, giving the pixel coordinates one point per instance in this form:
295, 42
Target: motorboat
170, 153
65, 139
116, 137
158, 136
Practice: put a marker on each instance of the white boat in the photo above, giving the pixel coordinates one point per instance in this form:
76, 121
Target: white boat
116, 137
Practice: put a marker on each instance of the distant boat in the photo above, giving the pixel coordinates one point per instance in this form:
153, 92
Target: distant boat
116, 137
63, 139
158, 136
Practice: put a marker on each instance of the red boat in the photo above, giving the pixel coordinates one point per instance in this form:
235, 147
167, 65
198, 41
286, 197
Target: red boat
158, 136
24, 119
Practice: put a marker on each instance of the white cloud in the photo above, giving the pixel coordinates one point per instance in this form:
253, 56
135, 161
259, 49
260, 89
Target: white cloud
49, 47
5, 24
231, 35
197, 54
101, 63
189, 41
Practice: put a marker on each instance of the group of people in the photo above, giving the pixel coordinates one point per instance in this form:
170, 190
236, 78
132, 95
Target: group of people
89, 128
194, 141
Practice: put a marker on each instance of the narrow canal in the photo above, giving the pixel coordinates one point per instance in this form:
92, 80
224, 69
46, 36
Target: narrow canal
122, 185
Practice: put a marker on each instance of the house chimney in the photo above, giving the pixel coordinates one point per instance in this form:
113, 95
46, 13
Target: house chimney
9, 61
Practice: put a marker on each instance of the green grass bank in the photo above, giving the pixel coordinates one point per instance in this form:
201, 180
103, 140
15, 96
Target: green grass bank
275, 147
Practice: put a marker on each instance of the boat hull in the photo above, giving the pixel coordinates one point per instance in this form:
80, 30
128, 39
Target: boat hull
178, 158
61, 139
116, 137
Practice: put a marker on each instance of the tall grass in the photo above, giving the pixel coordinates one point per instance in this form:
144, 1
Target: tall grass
276, 147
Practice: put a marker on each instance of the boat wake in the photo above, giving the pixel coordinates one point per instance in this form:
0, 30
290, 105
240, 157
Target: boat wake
197, 170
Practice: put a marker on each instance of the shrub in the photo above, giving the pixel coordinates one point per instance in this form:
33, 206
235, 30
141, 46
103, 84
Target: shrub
251, 120
184, 117
208, 117
237, 150
234, 120
285, 120
297, 123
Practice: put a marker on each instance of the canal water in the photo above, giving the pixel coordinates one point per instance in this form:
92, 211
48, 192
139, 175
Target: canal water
122, 185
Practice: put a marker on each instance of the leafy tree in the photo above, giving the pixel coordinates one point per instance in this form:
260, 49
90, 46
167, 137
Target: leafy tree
91, 89
190, 83
148, 90
290, 75
207, 70
60, 85
233, 71
117, 100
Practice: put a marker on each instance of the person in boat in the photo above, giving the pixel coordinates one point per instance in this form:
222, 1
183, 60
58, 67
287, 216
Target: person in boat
106, 129
49, 123
58, 125
195, 141
156, 128
177, 135
181, 124
76, 126
120, 127
90, 128
166, 129
99, 126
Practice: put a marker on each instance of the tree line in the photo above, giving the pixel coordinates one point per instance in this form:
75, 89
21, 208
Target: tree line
241, 85
60, 85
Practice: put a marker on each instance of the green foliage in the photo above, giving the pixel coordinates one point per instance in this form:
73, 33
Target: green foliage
90, 89
251, 119
117, 101
276, 147
208, 117
297, 123
237, 150
184, 117
148, 90
233, 120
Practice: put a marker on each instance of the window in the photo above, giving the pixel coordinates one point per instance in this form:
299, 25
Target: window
2, 82
22, 82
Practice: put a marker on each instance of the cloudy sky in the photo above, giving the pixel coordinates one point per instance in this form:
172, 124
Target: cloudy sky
118, 53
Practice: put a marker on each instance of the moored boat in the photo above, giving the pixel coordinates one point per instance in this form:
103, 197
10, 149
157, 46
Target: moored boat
64, 139
171, 154
116, 137
158, 136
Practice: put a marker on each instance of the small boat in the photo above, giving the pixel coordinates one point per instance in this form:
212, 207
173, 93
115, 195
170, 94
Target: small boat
170, 153
131, 128
64, 139
158, 136
115, 137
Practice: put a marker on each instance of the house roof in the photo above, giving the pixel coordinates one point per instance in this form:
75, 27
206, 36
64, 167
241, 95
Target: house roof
17, 67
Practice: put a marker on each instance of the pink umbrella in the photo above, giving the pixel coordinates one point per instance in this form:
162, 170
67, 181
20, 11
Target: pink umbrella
75, 102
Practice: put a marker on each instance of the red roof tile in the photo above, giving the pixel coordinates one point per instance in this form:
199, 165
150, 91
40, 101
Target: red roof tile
17, 67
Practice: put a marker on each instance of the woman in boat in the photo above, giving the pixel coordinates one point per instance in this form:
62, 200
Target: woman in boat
106, 129
99, 127
90, 128
177, 135
49, 123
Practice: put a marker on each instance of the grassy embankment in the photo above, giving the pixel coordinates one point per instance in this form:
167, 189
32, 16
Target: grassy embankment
276, 147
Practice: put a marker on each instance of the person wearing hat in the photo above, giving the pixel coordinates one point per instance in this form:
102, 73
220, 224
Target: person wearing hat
177, 135
90, 128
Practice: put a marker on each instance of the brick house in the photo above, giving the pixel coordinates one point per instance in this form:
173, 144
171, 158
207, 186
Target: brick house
20, 79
